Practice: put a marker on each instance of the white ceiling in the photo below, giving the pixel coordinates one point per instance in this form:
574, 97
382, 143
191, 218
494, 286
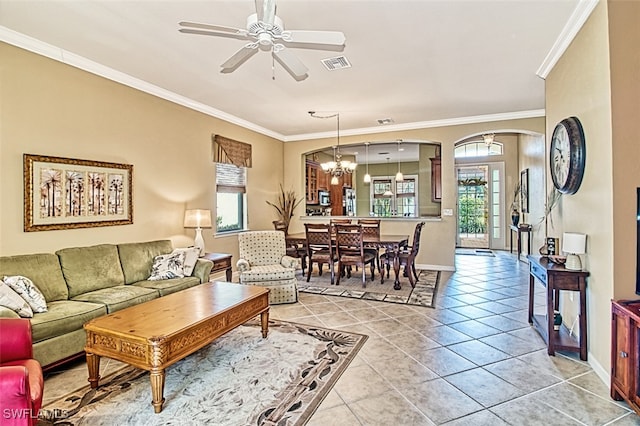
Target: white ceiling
418, 62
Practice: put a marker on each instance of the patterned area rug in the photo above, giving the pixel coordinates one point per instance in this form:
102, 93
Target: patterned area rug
423, 294
239, 379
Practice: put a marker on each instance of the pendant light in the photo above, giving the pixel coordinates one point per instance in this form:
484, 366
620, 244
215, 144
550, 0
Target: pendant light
367, 176
338, 166
399, 176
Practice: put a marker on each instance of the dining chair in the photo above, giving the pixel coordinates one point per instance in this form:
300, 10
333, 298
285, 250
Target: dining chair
320, 248
406, 257
334, 222
351, 251
293, 250
371, 227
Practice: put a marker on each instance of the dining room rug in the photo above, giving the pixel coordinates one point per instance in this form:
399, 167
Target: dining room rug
422, 295
239, 379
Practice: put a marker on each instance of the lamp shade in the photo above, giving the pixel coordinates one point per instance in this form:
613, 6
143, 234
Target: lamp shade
574, 243
197, 218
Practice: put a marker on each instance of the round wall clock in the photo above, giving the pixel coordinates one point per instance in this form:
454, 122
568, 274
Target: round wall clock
567, 156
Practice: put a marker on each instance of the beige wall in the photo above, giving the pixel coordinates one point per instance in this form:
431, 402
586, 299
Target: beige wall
596, 80
49, 108
438, 238
531, 155
624, 45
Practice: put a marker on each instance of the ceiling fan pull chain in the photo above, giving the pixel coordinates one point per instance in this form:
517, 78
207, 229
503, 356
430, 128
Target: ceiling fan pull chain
273, 68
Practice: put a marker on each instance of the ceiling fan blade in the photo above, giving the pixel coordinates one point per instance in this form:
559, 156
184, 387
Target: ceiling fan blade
214, 33
334, 38
291, 63
239, 58
217, 28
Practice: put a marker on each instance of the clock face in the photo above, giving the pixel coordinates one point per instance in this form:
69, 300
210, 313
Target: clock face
567, 156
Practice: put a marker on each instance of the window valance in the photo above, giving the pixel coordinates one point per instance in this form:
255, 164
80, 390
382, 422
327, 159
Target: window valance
229, 151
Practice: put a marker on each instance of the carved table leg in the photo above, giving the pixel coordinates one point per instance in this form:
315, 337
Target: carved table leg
157, 389
93, 364
396, 269
264, 322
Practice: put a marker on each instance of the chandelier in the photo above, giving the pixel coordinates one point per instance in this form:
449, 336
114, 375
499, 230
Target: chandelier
338, 166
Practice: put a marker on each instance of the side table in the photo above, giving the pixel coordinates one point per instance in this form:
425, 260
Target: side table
519, 230
221, 262
555, 278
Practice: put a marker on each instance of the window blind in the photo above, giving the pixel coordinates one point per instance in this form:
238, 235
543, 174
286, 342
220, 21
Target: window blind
230, 178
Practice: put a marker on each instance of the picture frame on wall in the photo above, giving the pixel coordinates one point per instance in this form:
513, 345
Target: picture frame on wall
67, 193
524, 191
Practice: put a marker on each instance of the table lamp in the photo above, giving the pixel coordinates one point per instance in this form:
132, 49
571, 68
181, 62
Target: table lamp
573, 244
198, 219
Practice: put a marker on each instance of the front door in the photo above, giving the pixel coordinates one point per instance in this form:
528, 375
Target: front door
473, 206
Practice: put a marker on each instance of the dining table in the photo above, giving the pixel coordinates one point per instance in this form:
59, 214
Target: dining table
390, 242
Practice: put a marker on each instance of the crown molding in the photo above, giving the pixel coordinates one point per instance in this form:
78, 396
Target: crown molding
44, 49
423, 125
577, 19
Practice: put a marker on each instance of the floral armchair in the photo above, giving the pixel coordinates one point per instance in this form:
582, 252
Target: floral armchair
264, 262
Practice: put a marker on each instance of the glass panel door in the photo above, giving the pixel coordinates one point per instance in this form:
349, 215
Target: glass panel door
473, 206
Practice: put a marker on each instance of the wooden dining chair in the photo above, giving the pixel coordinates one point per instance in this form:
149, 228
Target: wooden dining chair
371, 227
293, 250
320, 248
334, 222
406, 257
351, 251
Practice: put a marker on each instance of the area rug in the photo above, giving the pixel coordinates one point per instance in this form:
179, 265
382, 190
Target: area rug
423, 294
239, 379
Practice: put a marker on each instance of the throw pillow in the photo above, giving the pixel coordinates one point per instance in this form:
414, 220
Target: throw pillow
12, 300
167, 266
28, 291
191, 255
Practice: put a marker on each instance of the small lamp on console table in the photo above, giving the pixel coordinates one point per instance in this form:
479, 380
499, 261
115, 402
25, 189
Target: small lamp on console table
573, 244
198, 219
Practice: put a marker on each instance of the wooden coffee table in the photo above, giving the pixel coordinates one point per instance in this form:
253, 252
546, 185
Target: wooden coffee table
155, 334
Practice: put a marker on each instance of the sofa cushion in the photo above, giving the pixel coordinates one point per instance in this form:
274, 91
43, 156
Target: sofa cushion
165, 287
191, 255
267, 273
28, 291
137, 258
119, 297
12, 300
43, 269
87, 269
63, 317
167, 266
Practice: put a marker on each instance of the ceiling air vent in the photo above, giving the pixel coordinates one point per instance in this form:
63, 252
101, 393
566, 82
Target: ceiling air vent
336, 63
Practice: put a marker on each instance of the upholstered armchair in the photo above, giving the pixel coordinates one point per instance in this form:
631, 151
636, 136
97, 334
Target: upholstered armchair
21, 381
264, 262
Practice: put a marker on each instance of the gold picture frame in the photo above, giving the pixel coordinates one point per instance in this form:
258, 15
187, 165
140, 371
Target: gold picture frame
67, 193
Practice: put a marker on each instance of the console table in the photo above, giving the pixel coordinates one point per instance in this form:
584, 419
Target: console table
221, 262
555, 278
519, 230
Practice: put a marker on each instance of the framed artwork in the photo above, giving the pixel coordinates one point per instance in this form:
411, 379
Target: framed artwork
66, 193
524, 191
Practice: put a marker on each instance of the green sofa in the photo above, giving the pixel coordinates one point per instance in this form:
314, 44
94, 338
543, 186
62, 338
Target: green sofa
82, 283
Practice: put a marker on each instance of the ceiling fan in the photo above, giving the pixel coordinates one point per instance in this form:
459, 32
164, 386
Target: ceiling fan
265, 31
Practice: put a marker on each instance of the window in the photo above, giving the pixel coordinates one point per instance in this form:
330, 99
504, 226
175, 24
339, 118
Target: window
477, 149
401, 202
231, 200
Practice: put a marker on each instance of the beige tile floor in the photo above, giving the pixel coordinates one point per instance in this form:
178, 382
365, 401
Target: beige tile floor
474, 360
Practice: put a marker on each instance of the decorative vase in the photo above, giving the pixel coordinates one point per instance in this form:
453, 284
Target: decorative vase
515, 217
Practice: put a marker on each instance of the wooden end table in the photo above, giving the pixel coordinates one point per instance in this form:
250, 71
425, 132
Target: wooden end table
155, 334
221, 262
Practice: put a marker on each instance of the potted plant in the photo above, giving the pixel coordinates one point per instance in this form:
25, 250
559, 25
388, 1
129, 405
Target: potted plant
285, 207
515, 213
